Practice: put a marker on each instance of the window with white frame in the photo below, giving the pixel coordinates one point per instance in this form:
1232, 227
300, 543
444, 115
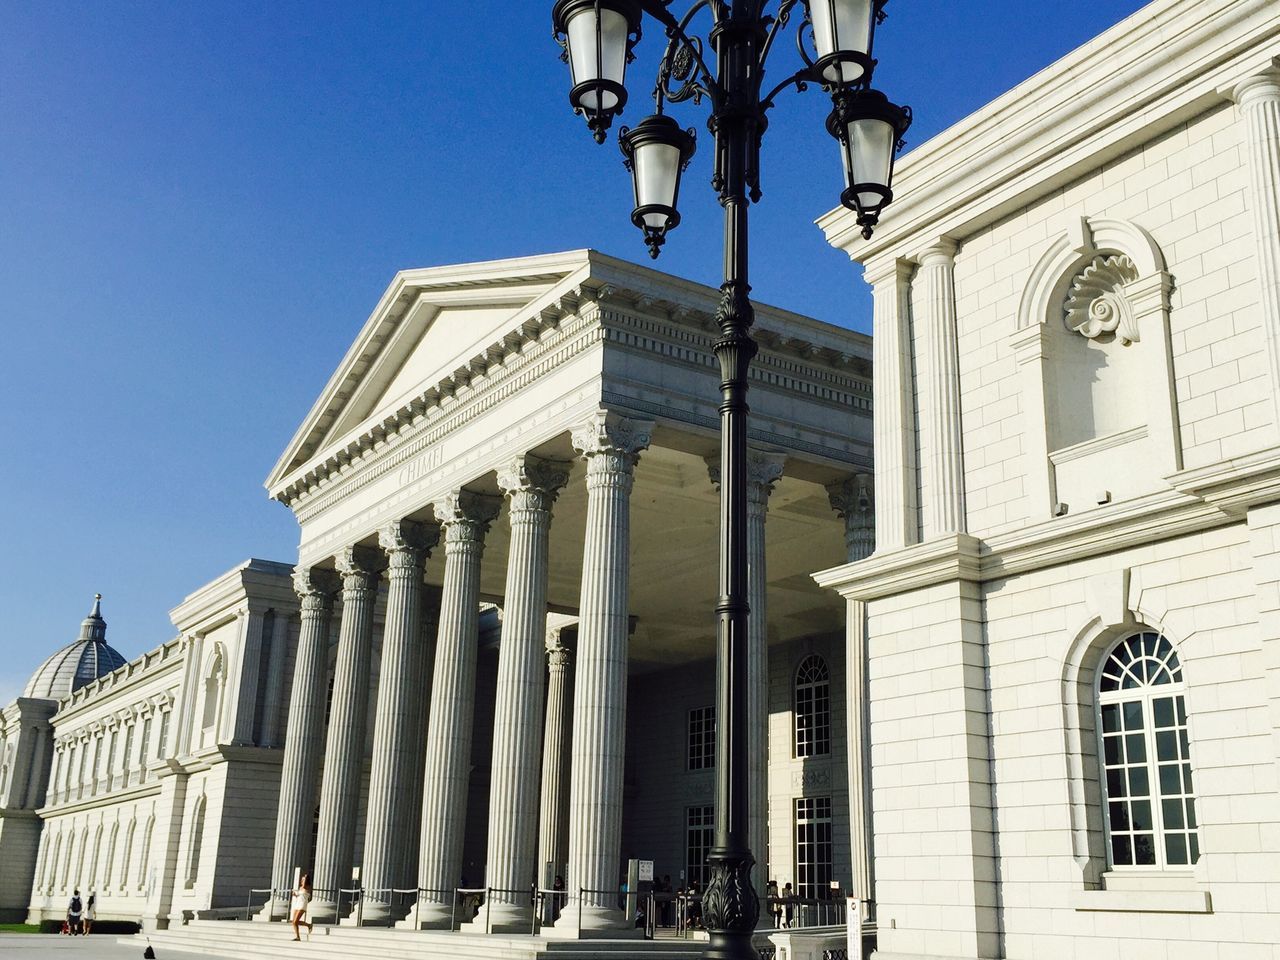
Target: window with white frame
813, 707
700, 827
702, 738
814, 851
1145, 757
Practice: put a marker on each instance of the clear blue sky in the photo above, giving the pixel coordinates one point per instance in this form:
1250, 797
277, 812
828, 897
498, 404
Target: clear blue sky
200, 203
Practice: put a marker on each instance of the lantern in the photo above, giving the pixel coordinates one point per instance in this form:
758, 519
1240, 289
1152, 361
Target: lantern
657, 152
597, 36
869, 129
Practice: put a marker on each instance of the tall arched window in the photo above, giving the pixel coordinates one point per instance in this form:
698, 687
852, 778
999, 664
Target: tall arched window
196, 841
145, 861
111, 856
97, 856
1146, 757
53, 862
813, 708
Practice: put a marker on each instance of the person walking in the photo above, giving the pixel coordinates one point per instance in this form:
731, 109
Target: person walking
299, 906
90, 913
774, 904
74, 908
789, 904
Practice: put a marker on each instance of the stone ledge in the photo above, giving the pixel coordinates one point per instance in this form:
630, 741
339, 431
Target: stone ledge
1142, 901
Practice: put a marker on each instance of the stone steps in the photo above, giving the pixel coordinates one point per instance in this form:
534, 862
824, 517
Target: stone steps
253, 941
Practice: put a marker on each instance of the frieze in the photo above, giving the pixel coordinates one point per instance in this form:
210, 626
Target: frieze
812, 778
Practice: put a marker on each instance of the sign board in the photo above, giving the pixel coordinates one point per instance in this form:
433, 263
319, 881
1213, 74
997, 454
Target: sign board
854, 915
646, 870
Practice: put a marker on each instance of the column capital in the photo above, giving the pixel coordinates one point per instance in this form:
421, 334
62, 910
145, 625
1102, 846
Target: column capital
407, 543
854, 500
894, 271
611, 435
356, 564
315, 588
941, 252
1259, 88
464, 516
764, 469
531, 482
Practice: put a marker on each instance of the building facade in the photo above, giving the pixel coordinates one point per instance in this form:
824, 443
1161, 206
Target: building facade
1068, 625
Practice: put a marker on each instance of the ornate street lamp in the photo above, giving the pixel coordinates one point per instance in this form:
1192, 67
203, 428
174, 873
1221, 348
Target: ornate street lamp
834, 40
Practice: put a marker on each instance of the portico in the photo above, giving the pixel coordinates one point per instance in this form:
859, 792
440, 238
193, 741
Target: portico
534, 434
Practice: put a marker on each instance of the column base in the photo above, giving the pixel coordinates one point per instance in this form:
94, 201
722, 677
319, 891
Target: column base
501, 918
428, 916
376, 914
323, 911
592, 923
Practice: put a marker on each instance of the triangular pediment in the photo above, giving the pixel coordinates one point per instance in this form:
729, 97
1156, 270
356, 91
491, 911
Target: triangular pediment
428, 323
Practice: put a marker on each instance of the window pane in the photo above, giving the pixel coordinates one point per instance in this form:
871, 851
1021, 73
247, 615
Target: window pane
1115, 784
1136, 748
1111, 751
1166, 745
1191, 813
1139, 785
1119, 816
1172, 810
1110, 718
1144, 850
1169, 784
1121, 851
1195, 847
1175, 849
1133, 715
1164, 711
1140, 810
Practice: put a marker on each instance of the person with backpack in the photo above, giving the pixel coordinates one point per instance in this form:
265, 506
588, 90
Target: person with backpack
73, 912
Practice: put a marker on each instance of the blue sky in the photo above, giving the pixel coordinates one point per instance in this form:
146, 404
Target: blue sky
200, 204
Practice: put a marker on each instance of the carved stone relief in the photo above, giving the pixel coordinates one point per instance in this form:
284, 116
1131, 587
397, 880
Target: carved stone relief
1096, 305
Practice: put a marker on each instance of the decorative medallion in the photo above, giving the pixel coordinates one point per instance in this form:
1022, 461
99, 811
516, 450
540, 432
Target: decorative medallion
1096, 305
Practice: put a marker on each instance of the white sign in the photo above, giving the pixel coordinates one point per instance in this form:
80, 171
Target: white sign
854, 916
646, 870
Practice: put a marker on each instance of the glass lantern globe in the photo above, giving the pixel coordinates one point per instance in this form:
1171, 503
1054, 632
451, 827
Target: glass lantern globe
843, 31
657, 152
597, 36
869, 129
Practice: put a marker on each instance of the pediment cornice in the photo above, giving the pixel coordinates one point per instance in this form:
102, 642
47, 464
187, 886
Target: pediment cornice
796, 352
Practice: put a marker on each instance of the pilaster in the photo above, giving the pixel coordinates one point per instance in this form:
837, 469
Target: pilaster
942, 482
894, 430
1258, 98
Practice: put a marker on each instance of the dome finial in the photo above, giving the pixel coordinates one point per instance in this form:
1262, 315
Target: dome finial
93, 627
97, 605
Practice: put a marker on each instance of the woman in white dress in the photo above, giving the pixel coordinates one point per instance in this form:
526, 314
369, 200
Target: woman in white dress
90, 912
298, 905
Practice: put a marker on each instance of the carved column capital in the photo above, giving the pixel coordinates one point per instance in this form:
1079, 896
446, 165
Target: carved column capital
940, 253
359, 568
1263, 87
464, 517
764, 470
532, 484
315, 588
407, 544
854, 500
611, 444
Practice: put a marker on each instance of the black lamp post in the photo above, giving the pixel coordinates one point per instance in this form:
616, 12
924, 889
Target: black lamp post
598, 37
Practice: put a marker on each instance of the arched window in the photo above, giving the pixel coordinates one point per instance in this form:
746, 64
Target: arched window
96, 858
66, 860
53, 862
813, 708
1146, 758
111, 856
212, 701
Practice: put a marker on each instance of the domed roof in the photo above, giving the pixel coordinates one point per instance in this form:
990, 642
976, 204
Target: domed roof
78, 663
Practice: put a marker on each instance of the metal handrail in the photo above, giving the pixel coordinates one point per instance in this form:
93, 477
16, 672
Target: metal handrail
833, 911
540, 897
621, 893
273, 896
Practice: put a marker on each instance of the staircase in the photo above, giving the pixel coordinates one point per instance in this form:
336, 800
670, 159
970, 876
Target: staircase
240, 940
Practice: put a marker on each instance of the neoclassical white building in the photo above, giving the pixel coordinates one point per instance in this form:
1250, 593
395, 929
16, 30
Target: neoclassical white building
1069, 624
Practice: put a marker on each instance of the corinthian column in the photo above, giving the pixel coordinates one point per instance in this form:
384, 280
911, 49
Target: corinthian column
1259, 101
611, 446
531, 486
305, 731
763, 471
344, 748
392, 780
854, 501
943, 481
555, 768
464, 518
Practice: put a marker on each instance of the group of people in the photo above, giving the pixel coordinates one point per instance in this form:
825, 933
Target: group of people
80, 915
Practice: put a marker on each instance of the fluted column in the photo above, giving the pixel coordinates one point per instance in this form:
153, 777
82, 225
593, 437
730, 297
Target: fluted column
531, 486
894, 429
305, 731
610, 445
1259, 102
854, 501
247, 677
764, 469
391, 776
344, 747
270, 733
408, 849
464, 518
552, 847
933, 296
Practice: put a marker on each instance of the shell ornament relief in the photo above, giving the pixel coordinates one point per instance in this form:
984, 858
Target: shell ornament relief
1096, 305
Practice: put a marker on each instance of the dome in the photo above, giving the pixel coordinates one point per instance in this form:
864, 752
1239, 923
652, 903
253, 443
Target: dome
78, 663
